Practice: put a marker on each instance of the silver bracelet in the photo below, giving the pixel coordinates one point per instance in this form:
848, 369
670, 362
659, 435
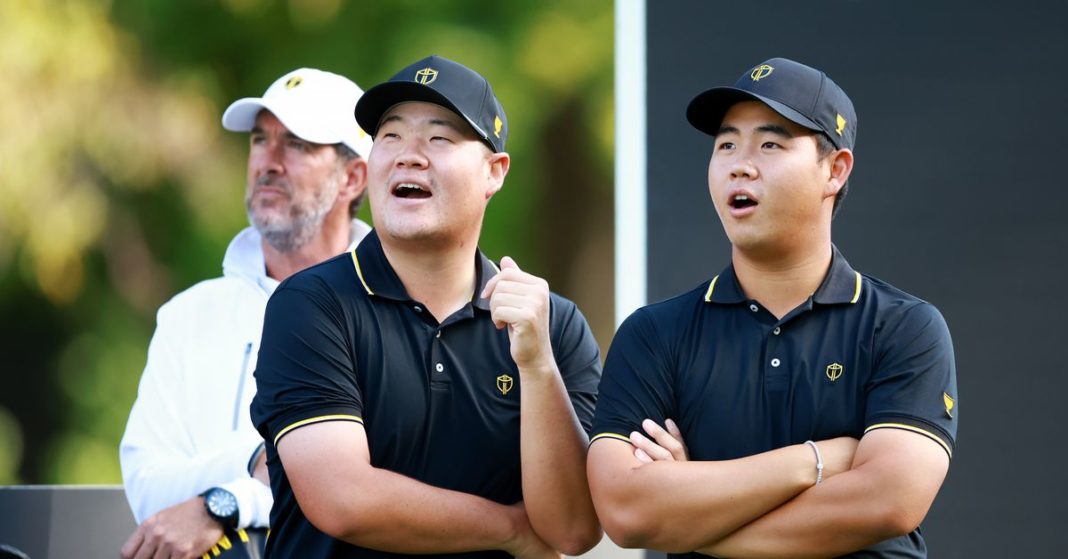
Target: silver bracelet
819, 461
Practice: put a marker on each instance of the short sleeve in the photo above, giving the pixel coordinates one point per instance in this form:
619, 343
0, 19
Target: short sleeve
914, 381
637, 382
305, 371
577, 357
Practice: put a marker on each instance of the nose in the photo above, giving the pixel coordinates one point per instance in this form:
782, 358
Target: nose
411, 156
742, 167
268, 159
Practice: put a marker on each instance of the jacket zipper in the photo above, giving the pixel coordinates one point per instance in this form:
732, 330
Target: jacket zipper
241, 383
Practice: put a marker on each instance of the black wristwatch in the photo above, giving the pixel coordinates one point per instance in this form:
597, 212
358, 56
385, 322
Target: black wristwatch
222, 506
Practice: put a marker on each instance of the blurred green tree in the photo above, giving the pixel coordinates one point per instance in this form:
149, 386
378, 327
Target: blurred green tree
118, 186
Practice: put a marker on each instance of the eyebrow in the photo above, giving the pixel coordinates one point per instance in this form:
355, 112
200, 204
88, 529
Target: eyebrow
776, 129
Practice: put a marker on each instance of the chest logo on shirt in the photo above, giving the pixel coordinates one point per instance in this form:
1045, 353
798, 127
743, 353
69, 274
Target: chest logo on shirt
834, 371
504, 384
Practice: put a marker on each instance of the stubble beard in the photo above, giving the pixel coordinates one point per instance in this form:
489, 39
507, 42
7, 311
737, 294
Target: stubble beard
290, 231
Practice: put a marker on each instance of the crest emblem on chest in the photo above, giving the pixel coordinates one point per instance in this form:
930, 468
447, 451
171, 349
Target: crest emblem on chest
834, 371
505, 384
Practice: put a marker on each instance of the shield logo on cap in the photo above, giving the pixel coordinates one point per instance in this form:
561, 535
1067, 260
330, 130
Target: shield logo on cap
294, 82
504, 384
761, 72
426, 76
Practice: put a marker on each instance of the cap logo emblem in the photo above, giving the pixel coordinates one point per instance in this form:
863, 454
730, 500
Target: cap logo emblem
841, 124
761, 72
504, 384
497, 125
294, 82
949, 402
426, 76
834, 371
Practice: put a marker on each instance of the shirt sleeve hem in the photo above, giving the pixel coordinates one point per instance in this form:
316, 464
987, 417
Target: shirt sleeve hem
610, 436
915, 427
318, 419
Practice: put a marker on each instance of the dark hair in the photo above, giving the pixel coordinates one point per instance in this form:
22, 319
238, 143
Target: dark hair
346, 155
824, 147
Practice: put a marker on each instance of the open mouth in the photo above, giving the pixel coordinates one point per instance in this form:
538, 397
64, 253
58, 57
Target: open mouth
409, 190
742, 201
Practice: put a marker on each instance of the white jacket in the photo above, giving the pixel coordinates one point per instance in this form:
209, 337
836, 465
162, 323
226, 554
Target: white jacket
189, 428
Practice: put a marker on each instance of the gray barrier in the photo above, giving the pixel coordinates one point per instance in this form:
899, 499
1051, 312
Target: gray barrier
61, 522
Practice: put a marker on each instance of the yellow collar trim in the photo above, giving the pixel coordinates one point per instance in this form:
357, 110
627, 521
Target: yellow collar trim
359, 272
711, 287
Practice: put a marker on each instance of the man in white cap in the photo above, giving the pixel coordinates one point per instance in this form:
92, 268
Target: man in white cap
192, 463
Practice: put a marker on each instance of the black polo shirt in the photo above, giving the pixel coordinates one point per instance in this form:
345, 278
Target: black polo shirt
856, 356
343, 341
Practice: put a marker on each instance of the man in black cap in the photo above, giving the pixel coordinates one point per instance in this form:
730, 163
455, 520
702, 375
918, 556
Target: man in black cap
415, 398
790, 406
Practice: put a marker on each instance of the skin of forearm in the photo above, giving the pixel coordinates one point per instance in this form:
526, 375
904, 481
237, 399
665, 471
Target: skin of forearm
887, 494
841, 515
682, 506
553, 450
402, 515
340, 493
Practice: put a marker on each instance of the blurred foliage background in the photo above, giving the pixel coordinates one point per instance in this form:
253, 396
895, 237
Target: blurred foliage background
119, 187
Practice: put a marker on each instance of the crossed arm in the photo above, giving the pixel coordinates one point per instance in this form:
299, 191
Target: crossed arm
328, 466
765, 505
342, 494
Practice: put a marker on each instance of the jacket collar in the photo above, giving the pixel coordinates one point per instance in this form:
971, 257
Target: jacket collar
244, 256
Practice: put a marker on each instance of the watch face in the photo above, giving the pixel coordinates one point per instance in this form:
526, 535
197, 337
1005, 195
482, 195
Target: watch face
221, 503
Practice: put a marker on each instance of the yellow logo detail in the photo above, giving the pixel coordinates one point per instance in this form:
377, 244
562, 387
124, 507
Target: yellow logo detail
426, 76
294, 82
497, 125
761, 72
841, 124
504, 384
834, 371
949, 404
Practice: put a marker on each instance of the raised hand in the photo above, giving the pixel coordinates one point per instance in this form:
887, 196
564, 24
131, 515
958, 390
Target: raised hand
520, 301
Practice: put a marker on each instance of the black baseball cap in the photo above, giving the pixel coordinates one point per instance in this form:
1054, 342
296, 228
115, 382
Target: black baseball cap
443, 82
799, 93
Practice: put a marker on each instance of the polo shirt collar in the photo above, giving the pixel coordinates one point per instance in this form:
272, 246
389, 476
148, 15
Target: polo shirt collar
841, 285
379, 278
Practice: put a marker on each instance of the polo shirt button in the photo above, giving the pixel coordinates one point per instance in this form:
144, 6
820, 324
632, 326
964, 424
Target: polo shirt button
775, 362
776, 331
754, 308
438, 335
418, 308
439, 367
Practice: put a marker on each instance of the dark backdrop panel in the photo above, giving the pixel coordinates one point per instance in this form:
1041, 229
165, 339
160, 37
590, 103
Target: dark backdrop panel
958, 196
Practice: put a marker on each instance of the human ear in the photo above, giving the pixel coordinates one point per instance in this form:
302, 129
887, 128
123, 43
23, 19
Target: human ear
840, 169
498, 164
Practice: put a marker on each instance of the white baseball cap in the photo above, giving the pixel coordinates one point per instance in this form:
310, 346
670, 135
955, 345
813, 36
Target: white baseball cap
314, 105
